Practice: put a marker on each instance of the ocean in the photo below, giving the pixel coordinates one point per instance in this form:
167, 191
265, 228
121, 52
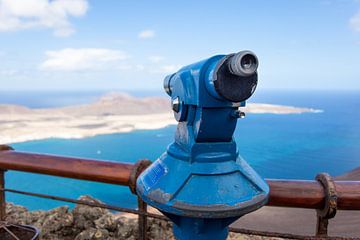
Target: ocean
292, 146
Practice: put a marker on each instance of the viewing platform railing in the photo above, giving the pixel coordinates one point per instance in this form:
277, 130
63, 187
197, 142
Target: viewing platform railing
324, 194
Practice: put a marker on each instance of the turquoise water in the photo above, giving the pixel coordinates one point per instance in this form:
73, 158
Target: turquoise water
277, 146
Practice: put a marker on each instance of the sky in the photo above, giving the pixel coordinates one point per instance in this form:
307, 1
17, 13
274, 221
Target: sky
132, 45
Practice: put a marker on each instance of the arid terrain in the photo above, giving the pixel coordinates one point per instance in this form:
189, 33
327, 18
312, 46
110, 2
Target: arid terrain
113, 113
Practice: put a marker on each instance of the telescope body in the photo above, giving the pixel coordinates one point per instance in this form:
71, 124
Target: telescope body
201, 183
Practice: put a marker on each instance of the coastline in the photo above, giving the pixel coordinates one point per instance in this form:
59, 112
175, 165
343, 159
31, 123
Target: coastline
22, 130
112, 113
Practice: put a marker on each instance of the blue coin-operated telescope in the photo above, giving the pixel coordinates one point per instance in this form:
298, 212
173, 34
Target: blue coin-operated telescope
201, 183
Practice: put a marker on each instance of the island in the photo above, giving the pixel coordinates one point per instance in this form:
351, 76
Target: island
112, 113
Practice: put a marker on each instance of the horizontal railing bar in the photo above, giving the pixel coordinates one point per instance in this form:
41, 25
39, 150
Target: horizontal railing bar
296, 194
310, 194
69, 167
283, 193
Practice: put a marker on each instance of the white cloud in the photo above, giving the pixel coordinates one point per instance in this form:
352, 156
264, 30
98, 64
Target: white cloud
70, 59
355, 22
26, 14
156, 59
146, 34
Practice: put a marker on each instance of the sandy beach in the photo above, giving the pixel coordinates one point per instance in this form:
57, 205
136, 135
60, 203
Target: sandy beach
113, 113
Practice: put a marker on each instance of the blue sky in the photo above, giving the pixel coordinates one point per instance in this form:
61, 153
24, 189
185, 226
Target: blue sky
124, 44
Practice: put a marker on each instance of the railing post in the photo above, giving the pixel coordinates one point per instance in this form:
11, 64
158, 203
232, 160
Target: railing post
139, 167
2, 196
330, 207
322, 227
142, 218
2, 186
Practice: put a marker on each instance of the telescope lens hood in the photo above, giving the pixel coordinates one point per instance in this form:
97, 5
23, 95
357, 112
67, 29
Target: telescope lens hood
235, 78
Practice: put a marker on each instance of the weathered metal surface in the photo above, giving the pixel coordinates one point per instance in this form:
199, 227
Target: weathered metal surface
348, 195
2, 185
287, 235
76, 168
310, 194
321, 226
5, 148
138, 168
82, 202
330, 206
296, 194
2, 196
220, 210
142, 219
18, 232
283, 193
161, 217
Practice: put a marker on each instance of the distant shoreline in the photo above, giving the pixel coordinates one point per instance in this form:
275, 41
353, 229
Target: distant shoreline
112, 113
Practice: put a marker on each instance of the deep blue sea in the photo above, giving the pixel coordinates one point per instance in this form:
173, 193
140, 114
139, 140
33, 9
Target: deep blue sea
277, 146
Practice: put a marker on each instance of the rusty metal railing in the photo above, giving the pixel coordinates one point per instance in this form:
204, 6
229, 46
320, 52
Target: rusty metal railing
323, 194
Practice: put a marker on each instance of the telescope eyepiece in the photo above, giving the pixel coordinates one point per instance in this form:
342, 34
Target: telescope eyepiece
231, 77
243, 64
